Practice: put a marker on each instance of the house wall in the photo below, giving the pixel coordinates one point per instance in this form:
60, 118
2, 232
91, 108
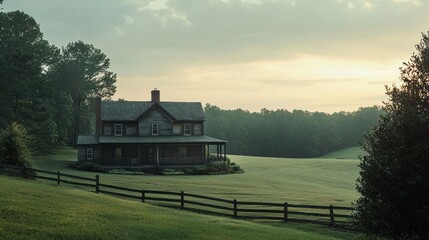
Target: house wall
128, 128
156, 116
82, 153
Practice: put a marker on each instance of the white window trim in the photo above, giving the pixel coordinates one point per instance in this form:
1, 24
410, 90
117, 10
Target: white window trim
89, 151
157, 129
184, 129
122, 130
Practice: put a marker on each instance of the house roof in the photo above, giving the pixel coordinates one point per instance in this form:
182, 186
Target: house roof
131, 110
87, 140
90, 140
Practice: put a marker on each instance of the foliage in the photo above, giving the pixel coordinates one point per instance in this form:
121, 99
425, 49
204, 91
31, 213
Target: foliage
90, 166
394, 175
282, 133
25, 94
215, 167
13, 146
82, 75
46, 89
126, 172
169, 171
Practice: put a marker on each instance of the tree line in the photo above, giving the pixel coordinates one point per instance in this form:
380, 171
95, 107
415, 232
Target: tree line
283, 133
48, 89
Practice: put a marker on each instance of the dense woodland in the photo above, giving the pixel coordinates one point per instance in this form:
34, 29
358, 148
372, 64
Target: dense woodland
282, 133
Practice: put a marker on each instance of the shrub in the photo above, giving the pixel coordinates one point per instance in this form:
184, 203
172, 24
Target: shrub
125, 172
91, 166
169, 171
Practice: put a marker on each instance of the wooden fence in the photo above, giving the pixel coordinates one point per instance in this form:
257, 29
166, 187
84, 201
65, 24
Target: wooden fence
328, 215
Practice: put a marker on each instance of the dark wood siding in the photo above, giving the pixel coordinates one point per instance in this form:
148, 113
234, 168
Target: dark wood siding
165, 124
82, 150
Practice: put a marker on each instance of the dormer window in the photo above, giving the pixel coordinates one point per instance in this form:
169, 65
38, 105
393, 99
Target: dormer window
118, 129
187, 129
155, 129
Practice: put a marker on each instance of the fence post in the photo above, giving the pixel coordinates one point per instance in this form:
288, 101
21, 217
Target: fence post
143, 196
58, 178
97, 183
331, 214
285, 211
182, 200
235, 208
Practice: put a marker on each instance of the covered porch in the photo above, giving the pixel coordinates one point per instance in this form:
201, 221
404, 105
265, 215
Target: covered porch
160, 152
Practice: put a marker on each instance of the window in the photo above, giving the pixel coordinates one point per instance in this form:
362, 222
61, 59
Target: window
198, 129
177, 129
155, 129
187, 129
118, 129
89, 153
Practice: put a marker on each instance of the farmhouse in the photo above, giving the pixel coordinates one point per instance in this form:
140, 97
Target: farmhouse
149, 134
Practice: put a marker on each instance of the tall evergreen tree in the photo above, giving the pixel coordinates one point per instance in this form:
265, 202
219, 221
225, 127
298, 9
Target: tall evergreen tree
394, 176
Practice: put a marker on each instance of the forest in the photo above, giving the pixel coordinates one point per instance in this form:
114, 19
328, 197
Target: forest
50, 91
281, 133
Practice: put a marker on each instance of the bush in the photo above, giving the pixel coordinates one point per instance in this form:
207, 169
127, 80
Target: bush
13, 146
214, 167
125, 172
169, 171
91, 166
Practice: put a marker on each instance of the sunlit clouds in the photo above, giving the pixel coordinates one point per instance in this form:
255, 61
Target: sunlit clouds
329, 55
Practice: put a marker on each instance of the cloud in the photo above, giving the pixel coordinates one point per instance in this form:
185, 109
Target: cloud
219, 45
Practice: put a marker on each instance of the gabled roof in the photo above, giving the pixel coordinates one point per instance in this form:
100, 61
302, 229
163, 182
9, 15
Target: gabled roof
131, 110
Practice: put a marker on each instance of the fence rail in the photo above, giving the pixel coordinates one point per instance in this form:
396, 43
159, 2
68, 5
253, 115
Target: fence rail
286, 212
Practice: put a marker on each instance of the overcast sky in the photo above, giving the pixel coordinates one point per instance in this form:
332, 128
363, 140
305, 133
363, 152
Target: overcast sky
317, 55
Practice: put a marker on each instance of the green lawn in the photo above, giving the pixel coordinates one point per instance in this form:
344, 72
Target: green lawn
35, 210
346, 153
300, 181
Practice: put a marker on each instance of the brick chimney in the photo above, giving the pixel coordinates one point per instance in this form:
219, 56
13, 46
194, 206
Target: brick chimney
156, 98
98, 116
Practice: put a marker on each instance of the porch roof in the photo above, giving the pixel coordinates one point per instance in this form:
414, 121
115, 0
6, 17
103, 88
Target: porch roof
91, 139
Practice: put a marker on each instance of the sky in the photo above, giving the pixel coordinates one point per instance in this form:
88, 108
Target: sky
316, 55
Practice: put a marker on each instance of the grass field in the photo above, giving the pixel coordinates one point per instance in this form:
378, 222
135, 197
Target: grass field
298, 181
34, 210
346, 153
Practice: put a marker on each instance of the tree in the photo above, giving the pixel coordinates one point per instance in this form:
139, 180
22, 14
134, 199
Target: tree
13, 146
82, 73
394, 175
25, 93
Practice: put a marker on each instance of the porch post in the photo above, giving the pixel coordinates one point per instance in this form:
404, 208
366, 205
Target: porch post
101, 154
224, 152
157, 157
138, 154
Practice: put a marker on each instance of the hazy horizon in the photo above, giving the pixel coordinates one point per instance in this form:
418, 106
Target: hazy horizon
326, 56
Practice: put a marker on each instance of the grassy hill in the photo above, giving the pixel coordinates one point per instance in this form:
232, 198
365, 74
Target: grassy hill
35, 210
346, 153
299, 181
